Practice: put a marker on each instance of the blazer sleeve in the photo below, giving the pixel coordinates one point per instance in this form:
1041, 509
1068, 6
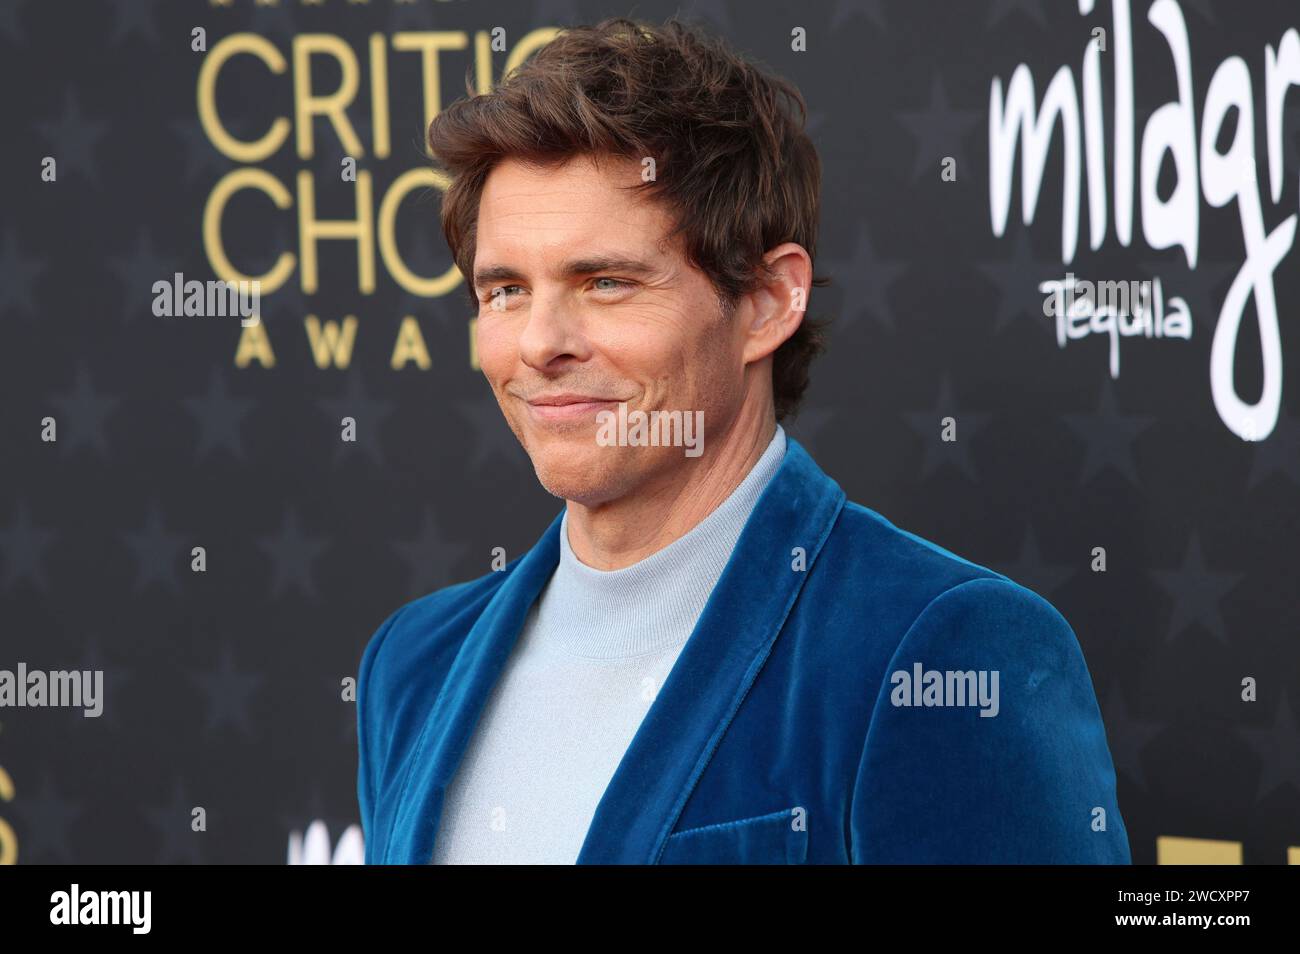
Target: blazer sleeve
369, 738
1032, 783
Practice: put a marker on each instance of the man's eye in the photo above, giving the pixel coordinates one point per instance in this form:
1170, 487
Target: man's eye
497, 297
614, 284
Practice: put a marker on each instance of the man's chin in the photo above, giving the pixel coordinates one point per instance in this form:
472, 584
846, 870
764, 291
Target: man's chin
570, 480
577, 470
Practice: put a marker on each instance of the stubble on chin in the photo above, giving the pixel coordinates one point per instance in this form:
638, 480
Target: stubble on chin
569, 475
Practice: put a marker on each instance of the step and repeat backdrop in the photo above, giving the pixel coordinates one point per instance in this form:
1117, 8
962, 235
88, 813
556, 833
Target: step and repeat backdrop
1065, 292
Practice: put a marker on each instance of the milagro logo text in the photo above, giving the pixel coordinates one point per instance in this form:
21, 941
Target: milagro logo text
1202, 170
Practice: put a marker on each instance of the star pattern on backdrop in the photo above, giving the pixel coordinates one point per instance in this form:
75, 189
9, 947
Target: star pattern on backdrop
1127, 737
1032, 571
75, 139
1196, 591
865, 280
1017, 280
202, 161
138, 271
1108, 436
929, 427
1278, 748
369, 413
292, 554
17, 276
1278, 454
227, 693
938, 129
45, 823
83, 414
134, 18
173, 823
22, 546
219, 416
430, 557
158, 553
491, 440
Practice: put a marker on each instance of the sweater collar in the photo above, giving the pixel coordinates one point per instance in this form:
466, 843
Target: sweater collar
653, 604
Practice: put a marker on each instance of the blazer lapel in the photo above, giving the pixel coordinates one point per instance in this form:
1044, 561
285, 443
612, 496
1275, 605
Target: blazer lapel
730, 643
477, 667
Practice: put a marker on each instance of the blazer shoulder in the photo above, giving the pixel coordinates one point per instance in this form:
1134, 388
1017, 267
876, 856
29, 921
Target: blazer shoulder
884, 561
909, 583
864, 526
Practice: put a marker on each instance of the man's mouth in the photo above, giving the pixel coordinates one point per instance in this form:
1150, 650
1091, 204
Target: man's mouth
568, 406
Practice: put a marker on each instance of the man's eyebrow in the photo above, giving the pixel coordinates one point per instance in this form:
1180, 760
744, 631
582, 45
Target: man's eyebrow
495, 273
606, 263
573, 269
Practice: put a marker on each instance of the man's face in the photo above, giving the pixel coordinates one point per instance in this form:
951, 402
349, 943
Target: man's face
582, 305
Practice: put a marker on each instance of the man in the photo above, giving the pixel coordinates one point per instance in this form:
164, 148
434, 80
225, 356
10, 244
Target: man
709, 655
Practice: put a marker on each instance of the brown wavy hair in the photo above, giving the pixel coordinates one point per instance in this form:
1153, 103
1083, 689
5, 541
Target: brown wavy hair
733, 163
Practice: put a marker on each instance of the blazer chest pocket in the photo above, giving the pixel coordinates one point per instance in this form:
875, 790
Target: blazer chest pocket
777, 838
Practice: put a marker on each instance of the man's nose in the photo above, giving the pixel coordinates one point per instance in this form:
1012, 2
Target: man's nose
552, 329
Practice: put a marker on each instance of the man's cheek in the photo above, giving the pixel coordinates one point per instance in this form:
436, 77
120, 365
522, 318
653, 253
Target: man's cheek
495, 359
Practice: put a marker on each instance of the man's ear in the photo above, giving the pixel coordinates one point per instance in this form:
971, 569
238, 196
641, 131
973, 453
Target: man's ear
778, 304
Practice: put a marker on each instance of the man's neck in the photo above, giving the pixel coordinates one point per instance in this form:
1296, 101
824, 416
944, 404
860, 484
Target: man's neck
622, 532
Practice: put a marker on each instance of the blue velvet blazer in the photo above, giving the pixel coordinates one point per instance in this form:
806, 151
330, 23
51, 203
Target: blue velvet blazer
780, 735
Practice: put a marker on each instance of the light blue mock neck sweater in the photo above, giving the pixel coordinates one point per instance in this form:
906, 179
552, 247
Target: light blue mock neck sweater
592, 654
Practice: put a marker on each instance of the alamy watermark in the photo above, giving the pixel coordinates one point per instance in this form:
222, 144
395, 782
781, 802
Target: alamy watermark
948, 687
653, 429
129, 908
210, 299
58, 688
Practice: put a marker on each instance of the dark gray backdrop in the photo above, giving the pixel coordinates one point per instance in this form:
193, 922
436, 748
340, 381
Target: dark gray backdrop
223, 687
